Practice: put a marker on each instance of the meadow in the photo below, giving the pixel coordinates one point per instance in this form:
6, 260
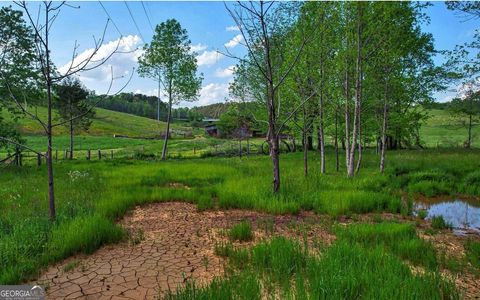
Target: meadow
92, 196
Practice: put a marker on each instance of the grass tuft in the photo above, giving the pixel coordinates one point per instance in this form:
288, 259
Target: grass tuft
241, 232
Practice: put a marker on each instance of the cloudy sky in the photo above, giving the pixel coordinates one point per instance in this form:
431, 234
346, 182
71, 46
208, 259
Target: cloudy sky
210, 29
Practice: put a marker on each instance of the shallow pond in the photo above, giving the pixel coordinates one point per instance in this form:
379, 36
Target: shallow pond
463, 215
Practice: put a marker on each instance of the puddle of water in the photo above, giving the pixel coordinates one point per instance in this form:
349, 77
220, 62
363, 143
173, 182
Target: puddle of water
463, 215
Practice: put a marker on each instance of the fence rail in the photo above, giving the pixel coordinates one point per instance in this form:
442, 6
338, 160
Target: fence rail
238, 148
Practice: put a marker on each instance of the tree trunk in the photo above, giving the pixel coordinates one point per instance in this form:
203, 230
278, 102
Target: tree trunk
346, 144
304, 141
360, 150
273, 141
71, 138
358, 86
305, 157
51, 189
469, 142
337, 163
158, 100
383, 143
165, 143
322, 137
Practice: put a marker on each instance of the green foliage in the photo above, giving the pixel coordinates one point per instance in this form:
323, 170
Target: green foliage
168, 59
241, 232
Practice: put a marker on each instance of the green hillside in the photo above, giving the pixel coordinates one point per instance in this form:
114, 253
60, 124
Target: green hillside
444, 130
105, 123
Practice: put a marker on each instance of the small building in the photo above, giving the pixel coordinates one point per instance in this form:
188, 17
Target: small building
211, 126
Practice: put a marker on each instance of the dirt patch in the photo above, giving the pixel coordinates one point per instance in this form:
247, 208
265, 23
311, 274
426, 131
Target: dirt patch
171, 243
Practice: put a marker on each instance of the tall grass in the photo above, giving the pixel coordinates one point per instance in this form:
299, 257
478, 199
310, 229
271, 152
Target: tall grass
100, 192
282, 269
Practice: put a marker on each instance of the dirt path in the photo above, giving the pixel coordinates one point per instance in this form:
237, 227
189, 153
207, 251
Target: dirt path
171, 243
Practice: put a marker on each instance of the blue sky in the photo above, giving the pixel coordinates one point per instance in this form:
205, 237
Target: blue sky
209, 27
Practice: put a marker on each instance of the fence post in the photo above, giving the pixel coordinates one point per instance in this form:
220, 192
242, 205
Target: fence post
66, 154
112, 153
99, 154
88, 154
194, 150
39, 159
248, 146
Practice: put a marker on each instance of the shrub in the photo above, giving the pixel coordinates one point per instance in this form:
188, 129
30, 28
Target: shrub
241, 232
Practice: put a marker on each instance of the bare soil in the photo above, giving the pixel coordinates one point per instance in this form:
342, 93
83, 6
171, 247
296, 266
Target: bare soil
169, 244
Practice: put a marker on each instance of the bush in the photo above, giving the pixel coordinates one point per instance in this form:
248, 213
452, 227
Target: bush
141, 155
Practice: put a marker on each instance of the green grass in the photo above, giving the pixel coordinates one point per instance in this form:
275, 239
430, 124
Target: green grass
438, 222
282, 267
105, 123
443, 130
90, 196
241, 232
399, 239
473, 253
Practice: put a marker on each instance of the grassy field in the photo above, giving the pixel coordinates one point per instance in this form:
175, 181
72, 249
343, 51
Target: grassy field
91, 196
105, 123
443, 130
440, 130
366, 260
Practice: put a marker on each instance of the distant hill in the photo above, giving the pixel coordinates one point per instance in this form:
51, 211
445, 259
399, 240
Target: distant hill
212, 110
106, 122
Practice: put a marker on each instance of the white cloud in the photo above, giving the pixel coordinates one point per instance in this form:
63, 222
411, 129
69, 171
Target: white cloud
232, 28
208, 58
198, 47
235, 41
212, 93
223, 73
121, 63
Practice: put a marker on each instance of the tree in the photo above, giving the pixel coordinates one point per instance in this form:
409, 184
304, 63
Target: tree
265, 28
41, 26
464, 64
71, 102
169, 60
17, 69
467, 106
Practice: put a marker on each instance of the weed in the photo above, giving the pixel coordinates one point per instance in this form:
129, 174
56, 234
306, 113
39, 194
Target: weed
71, 266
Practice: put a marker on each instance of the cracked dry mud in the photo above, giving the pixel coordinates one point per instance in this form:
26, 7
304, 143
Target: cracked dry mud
177, 245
